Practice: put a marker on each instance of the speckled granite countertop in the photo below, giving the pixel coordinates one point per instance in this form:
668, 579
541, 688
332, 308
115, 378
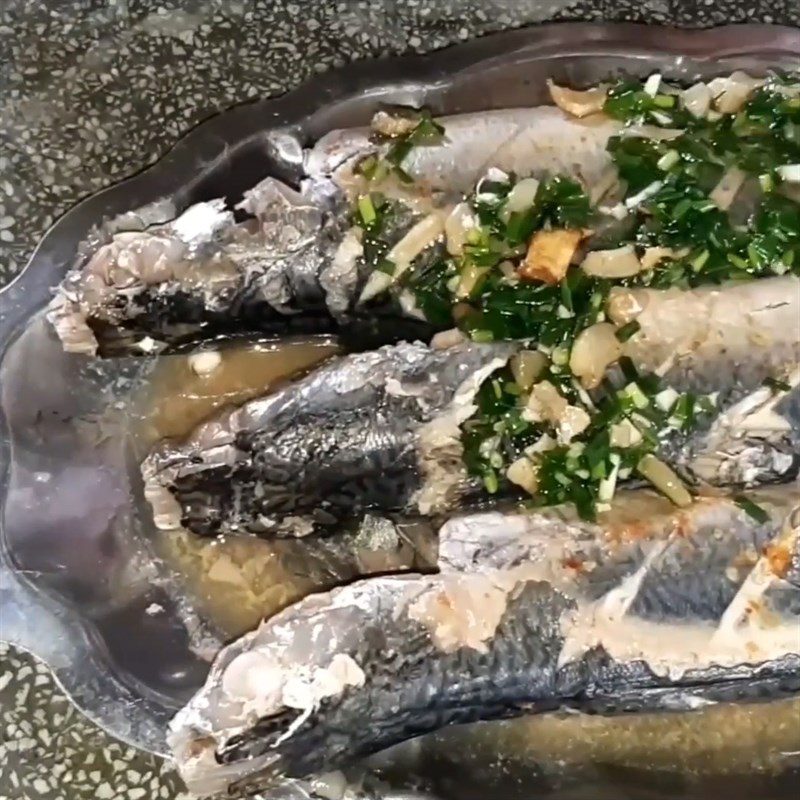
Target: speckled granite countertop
94, 90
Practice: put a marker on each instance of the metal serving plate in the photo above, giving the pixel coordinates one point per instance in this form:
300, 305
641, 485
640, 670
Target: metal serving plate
78, 577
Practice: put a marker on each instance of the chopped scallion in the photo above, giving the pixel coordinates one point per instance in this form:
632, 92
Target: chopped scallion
628, 330
665, 100
668, 160
753, 510
777, 385
366, 209
490, 482
698, 262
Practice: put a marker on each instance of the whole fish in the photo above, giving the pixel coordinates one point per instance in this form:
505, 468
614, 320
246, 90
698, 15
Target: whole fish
372, 430
295, 265
380, 430
707, 339
649, 609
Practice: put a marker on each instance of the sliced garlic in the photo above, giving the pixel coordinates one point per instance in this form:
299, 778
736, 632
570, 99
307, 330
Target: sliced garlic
651, 132
724, 193
653, 256
545, 403
457, 226
522, 196
526, 366
621, 210
593, 351
446, 339
576, 102
624, 434
408, 303
666, 398
621, 262
573, 421
544, 443
697, 100
524, 473
731, 93
624, 305
204, 363
421, 235
652, 84
393, 125
790, 173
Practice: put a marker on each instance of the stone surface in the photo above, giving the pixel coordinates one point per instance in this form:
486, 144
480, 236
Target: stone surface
93, 91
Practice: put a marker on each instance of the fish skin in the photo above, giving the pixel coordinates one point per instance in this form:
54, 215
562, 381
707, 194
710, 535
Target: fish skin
631, 614
204, 275
535, 141
350, 437
728, 340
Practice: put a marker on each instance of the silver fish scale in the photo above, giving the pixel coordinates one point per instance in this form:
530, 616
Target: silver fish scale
413, 688
699, 573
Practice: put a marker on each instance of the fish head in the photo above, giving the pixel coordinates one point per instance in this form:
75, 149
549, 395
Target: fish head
271, 696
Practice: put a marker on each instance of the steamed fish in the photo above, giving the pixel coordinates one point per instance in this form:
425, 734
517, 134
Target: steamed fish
385, 430
297, 265
500, 221
649, 609
371, 430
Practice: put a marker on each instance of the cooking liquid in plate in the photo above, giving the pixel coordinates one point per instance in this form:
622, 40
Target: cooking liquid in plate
751, 746
239, 580
185, 389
